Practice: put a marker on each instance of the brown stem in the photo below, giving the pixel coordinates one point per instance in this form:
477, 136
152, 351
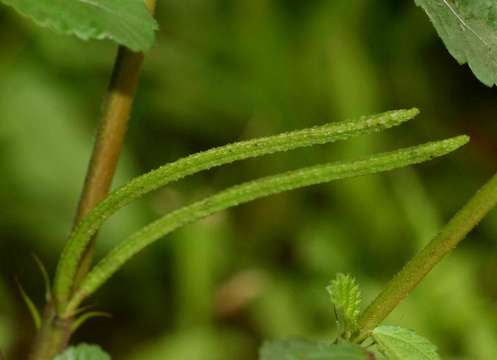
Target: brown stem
109, 141
110, 138
55, 332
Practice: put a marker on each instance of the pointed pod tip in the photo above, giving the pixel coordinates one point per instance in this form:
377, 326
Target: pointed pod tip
449, 145
408, 114
412, 112
465, 138
401, 115
460, 140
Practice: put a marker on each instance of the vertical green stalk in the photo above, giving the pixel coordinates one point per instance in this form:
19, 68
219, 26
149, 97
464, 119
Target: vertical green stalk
419, 266
55, 331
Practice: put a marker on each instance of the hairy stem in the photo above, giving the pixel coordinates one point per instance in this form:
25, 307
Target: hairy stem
205, 160
421, 264
250, 191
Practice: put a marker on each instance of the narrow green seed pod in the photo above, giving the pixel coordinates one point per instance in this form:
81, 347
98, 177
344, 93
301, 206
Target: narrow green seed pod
195, 163
252, 190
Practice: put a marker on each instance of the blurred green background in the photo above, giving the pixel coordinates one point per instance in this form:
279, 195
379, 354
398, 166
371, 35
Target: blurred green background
228, 70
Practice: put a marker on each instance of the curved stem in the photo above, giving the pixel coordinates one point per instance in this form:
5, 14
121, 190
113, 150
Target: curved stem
421, 264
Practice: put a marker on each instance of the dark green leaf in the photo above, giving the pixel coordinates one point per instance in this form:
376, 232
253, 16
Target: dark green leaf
306, 350
83, 352
127, 22
469, 30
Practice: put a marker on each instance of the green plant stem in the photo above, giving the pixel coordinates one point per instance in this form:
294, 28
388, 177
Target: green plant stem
249, 191
195, 163
422, 263
55, 332
53, 336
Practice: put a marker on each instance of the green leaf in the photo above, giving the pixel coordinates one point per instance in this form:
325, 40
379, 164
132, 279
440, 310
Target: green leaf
346, 298
33, 310
469, 30
306, 350
127, 22
83, 352
403, 344
250, 191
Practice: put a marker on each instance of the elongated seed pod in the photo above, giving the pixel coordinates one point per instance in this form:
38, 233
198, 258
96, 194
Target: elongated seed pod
195, 163
252, 190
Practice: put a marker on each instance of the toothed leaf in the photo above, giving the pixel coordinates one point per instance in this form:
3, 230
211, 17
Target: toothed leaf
346, 298
403, 344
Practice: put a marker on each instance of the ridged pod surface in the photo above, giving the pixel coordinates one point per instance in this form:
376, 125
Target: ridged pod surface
252, 190
205, 160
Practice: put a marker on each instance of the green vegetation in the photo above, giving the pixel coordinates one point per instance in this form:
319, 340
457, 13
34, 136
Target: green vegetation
249, 70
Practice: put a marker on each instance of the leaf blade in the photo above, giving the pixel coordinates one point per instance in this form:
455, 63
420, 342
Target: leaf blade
469, 31
127, 22
404, 344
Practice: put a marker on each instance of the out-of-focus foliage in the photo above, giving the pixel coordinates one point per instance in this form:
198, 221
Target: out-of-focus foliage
229, 70
298, 349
